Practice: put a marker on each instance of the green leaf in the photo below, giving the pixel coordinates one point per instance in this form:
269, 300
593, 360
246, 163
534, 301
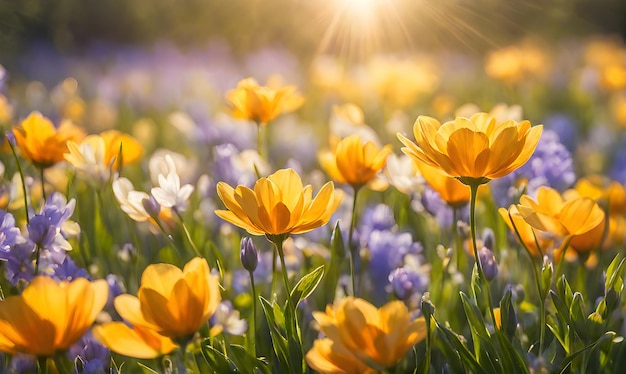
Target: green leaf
147, 369
276, 324
247, 363
461, 350
216, 360
306, 285
333, 269
508, 317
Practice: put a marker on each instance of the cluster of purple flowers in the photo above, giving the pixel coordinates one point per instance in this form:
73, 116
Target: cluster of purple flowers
550, 165
388, 250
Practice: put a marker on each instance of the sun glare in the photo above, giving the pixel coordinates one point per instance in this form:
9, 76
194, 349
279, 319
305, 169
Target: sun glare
358, 28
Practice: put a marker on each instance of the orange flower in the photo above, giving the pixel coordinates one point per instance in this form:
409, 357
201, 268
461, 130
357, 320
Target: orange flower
530, 238
353, 162
278, 205
172, 302
474, 150
451, 190
49, 317
560, 217
378, 337
327, 357
43, 144
262, 104
138, 342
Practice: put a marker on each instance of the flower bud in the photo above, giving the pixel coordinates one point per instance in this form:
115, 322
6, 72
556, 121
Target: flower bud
405, 282
488, 263
152, 207
248, 255
489, 239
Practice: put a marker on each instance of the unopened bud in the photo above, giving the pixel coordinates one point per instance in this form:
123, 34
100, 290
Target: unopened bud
248, 255
152, 207
488, 263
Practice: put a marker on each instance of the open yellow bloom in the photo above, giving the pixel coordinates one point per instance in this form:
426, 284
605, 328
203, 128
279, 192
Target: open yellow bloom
172, 302
529, 238
262, 104
453, 192
42, 143
475, 149
279, 204
327, 357
377, 337
49, 317
354, 162
558, 216
98, 155
138, 342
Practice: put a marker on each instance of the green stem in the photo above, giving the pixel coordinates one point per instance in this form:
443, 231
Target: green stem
540, 291
353, 248
21, 172
481, 275
42, 365
187, 234
252, 328
458, 245
37, 255
43, 184
259, 140
278, 243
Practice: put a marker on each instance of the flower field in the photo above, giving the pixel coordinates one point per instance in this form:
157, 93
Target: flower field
196, 209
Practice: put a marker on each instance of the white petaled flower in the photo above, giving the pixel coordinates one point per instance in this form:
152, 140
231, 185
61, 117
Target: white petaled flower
163, 161
170, 194
226, 319
88, 158
401, 173
130, 200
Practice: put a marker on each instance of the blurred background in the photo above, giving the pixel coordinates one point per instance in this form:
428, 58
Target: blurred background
353, 28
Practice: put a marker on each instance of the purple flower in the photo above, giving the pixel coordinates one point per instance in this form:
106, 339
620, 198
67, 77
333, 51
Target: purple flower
116, 288
551, 165
20, 266
57, 209
41, 231
9, 234
67, 270
405, 282
488, 263
90, 356
249, 255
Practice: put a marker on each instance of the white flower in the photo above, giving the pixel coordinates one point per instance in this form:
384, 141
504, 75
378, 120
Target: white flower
170, 194
88, 158
228, 319
163, 161
130, 200
401, 173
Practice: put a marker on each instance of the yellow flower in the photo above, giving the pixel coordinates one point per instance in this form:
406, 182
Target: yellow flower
354, 162
43, 144
278, 205
97, 155
262, 104
327, 357
475, 149
451, 190
378, 337
138, 342
172, 302
49, 317
529, 238
558, 216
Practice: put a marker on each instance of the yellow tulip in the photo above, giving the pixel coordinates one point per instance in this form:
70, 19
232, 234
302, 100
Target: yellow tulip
354, 162
474, 150
49, 317
138, 342
116, 142
558, 216
278, 205
172, 302
43, 144
328, 357
379, 337
262, 104
453, 192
